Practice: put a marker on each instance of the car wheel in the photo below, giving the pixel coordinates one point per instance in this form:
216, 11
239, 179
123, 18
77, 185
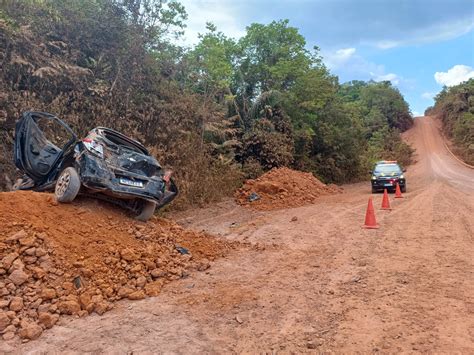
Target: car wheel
374, 190
403, 189
67, 186
147, 210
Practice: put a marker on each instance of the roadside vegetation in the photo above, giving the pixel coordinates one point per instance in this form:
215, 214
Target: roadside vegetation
455, 107
217, 113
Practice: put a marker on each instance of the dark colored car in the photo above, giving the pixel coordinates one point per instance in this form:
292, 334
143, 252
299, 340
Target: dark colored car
386, 175
105, 164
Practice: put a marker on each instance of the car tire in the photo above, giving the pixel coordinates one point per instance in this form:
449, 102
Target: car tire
67, 185
147, 211
403, 189
374, 190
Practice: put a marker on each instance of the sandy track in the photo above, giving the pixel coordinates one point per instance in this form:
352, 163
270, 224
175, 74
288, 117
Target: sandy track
320, 283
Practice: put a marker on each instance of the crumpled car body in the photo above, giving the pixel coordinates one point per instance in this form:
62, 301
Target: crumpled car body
109, 165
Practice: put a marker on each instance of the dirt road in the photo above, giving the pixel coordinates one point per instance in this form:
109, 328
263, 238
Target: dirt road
320, 283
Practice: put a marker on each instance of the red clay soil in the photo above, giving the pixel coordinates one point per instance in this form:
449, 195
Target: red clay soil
80, 258
283, 188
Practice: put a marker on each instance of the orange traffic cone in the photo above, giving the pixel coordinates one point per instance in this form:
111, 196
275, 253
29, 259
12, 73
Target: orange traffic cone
370, 222
385, 201
398, 193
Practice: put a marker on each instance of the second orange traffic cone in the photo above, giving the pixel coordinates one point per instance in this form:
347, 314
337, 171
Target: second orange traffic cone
398, 193
370, 222
385, 201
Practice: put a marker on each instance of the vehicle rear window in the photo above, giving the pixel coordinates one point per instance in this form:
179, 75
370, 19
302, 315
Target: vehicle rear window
387, 168
111, 138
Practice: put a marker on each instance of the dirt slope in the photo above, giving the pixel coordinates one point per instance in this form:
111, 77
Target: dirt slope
320, 283
282, 188
80, 258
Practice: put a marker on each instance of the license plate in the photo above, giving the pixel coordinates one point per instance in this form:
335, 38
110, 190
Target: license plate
128, 182
387, 184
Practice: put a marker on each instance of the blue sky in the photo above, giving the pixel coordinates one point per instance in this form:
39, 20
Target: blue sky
419, 45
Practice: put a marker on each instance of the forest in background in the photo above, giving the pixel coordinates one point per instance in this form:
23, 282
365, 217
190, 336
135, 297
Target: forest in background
216, 113
455, 107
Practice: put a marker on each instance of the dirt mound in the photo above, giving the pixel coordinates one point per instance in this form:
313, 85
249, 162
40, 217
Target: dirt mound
283, 188
79, 258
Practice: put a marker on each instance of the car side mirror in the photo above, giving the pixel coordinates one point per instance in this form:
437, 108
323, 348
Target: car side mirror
404, 170
370, 172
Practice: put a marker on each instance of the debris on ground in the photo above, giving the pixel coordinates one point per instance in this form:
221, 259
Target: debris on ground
253, 197
283, 188
76, 259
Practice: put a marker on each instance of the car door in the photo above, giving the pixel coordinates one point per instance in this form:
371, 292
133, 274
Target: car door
40, 139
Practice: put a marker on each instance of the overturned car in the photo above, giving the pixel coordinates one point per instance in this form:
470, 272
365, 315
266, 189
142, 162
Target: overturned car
105, 164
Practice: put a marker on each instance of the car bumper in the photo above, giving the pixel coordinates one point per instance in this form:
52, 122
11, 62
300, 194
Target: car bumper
387, 184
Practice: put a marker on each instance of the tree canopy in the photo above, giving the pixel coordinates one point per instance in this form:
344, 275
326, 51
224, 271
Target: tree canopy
217, 112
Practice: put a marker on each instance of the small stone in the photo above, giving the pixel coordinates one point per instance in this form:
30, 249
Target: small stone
84, 300
8, 335
47, 319
128, 255
69, 307
18, 277
157, 273
30, 251
239, 320
311, 345
17, 236
30, 331
27, 241
8, 260
48, 293
10, 328
124, 291
30, 259
141, 281
38, 273
136, 268
10, 314
137, 295
16, 304
100, 308
294, 219
40, 252
43, 308
16, 265
4, 320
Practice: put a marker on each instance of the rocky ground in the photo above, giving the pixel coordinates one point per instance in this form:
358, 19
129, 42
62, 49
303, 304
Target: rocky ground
80, 259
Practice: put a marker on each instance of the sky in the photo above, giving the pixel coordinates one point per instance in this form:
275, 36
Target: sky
419, 45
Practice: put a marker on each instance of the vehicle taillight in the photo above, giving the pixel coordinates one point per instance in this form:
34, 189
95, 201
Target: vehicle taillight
94, 147
167, 177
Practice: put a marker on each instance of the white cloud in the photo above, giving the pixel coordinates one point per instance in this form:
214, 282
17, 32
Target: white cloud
349, 65
345, 53
394, 78
223, 14
455, 75
387, 44
428, 95
434, 33
416, 114
339, 57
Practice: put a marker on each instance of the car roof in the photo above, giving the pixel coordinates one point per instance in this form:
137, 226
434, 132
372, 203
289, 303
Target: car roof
386, 162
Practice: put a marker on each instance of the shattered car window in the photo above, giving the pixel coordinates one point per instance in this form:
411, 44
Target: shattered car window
53, 131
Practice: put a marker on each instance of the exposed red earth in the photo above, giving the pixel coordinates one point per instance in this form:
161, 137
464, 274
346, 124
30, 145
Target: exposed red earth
315, 282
